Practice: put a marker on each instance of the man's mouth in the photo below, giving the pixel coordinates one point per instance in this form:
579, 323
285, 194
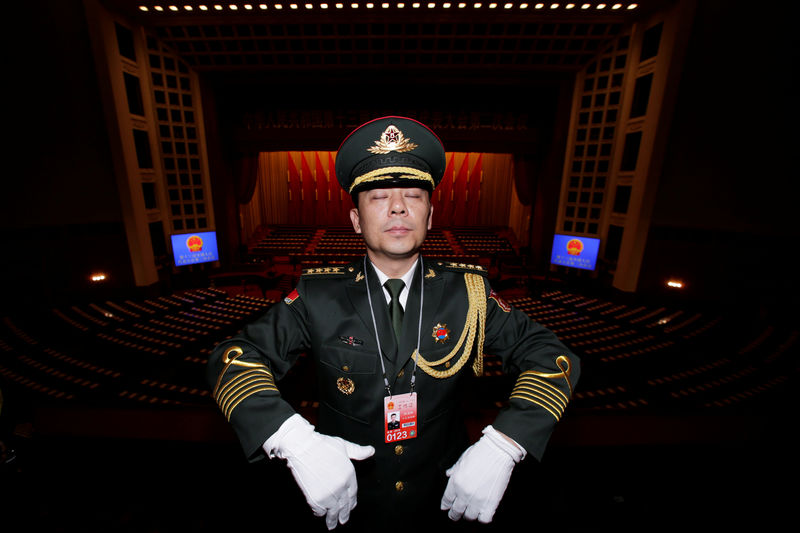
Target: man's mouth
398, 230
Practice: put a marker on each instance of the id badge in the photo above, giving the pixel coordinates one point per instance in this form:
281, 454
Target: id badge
400, 417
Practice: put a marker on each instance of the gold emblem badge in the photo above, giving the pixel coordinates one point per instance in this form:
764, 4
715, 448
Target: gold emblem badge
346, 386
441, 333
392, 140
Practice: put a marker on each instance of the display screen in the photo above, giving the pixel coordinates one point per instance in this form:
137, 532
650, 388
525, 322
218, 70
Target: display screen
193, 248
575, 252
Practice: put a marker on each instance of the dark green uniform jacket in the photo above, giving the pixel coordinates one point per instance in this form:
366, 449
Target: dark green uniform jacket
328, 316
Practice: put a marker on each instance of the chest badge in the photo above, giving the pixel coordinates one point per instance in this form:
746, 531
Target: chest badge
441, 333
350, 340
345, 386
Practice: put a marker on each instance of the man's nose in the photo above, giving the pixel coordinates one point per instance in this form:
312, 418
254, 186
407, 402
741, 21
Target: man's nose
398, 204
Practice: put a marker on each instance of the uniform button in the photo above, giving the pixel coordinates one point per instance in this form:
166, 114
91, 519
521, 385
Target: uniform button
346, 368
401, 373
399, 486
398, 450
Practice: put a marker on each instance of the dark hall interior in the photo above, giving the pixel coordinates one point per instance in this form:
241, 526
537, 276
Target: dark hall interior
683, 417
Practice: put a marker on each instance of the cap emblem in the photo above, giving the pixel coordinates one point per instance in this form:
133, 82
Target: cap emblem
392, 140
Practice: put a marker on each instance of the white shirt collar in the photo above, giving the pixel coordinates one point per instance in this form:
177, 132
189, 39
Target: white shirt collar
407, 278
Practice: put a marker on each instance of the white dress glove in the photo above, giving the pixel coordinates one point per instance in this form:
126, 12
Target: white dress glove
480, 476
321, 466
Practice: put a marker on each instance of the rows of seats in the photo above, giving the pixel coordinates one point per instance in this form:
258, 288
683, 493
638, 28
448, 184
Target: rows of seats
152, 350
652, 357
483, 241
282, 240
634, 356
302, 243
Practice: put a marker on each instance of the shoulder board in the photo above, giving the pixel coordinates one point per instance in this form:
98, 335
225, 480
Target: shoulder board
329, 271
460, 267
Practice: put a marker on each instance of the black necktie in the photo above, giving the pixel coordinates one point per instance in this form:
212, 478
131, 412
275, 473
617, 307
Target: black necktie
395, 286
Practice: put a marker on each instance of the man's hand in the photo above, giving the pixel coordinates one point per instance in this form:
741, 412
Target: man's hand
321, 466
480, 476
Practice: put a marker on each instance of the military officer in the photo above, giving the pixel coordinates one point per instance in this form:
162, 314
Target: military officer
393, 333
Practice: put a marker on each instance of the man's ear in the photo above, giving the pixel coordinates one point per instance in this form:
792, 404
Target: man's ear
430, 218
355, 220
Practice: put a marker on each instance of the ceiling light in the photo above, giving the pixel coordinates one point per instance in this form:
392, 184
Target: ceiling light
98, 277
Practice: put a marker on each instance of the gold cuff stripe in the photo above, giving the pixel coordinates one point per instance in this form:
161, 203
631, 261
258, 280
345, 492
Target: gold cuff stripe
234, 405
266, 384
474, 326
229, 360
241, 380
536, 401
234, 401
385, 174
562, 362
534, 381
545, 396
531, 387
257, 379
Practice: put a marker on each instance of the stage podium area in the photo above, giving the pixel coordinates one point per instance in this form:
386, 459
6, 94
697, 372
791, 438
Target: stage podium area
681, 414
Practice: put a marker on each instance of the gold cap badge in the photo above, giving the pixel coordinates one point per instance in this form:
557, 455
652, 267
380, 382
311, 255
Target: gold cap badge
392, 140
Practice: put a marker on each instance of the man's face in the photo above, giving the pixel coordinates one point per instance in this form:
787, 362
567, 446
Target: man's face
394, 222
